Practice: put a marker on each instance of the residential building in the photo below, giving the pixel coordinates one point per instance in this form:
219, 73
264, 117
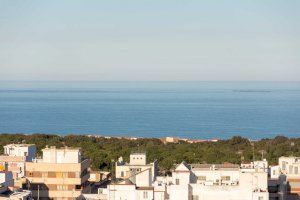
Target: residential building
6, 179
287, 176
15, 156
214, 181
135, 180
61, 174
138, 163
98, 176
16, 195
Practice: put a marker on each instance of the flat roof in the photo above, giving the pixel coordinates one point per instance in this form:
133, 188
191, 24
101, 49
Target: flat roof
19, 145
215, 166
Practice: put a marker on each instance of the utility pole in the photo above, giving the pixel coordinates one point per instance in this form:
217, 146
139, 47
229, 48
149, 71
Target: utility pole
38, 192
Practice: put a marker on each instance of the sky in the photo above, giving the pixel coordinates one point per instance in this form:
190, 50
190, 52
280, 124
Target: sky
154, 40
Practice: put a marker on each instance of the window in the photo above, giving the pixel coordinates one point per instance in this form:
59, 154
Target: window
225, 178
195, 197
44, 174
78, 187
291, 169
283, 165
260, 198
296, 170
65, 174
145, 195
177, 181
201, 178
122, 174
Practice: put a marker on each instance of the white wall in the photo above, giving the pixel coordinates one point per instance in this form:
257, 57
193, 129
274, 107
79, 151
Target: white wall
29, 151
53, 155
121, 192
138, 159
180, 192
145, 195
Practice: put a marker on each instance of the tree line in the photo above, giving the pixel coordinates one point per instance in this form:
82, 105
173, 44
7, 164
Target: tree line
103, 152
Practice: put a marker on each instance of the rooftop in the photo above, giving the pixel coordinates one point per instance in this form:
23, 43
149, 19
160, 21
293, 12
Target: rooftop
19, 145
63, 148
226, 166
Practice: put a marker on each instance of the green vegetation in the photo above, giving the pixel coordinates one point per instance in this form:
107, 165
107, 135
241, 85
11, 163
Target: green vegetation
103, 152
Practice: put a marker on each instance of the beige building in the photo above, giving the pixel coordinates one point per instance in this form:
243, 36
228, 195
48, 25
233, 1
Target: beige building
60, 174
14, 158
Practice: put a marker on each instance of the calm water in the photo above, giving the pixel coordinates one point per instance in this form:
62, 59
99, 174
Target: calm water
152, 109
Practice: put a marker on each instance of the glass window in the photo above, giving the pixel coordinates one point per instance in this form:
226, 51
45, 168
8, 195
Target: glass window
225, 178
296, 170
44, 174
290, 169
201, 178
145, 194
283, 165
177, 181
65, 174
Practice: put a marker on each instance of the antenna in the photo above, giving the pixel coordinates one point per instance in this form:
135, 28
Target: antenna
262, 154
253, 156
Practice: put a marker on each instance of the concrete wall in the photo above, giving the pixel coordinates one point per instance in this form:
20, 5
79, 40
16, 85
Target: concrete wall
121, 192
138, 159
65, 155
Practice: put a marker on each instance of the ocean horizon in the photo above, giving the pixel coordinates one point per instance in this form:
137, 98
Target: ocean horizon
186, 109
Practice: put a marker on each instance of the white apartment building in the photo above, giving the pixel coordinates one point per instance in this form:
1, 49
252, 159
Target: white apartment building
287, 175
135, 180
213, 181
23, 150
192, 182
138, 163
15, 156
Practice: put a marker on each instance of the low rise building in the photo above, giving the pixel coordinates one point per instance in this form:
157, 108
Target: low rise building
138, 163
15, 156
16, 195
98, 176
213, 181
60, 174
135, 180
6, 180
287, 176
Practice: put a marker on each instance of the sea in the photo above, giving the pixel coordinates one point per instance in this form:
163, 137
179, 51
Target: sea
195, 109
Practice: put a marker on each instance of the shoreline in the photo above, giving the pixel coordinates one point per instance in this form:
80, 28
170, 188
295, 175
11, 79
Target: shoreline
165, 140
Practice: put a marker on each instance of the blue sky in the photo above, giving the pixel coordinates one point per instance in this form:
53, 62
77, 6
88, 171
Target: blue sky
150, 40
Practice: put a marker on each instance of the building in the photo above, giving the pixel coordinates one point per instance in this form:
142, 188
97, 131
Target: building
6, 180
16, 195
135, 180
60, 174
138, 163
216, 181
15, 156
98, 176
287, 176
170, 140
